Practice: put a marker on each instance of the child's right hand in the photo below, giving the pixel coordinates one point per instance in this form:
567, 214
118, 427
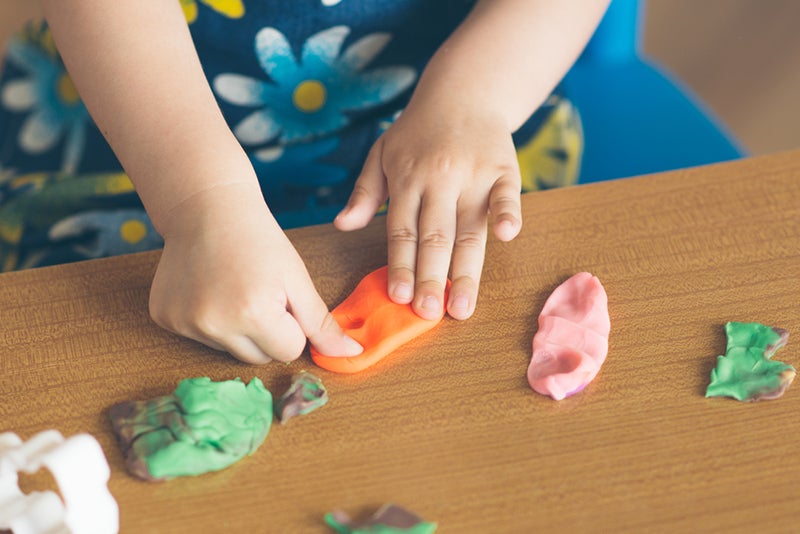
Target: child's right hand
229, 278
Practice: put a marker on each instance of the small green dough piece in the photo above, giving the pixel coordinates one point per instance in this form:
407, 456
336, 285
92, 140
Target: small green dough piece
746, 371
389, 519
420, 528
306, 394
204, 426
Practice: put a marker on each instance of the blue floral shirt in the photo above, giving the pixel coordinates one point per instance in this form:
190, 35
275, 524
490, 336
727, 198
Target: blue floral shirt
308, 85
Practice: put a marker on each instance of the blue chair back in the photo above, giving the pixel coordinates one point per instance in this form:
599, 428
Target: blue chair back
638, 118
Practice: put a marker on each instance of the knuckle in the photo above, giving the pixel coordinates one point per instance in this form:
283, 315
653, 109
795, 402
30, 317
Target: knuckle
401, 271
470, 239
328, 323
204, 321
360, 192
444, 163
504, 202
402, 234
508, 167
468, 282
251, 310
437, 239
401, 162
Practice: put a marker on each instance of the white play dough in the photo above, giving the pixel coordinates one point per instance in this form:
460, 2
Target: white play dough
81, 471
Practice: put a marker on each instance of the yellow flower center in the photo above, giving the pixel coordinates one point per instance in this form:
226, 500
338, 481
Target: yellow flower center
66, 89
133, 231
230, 8
309, 96
189, 10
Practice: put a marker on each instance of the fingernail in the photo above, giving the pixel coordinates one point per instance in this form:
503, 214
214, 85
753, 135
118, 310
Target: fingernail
403, 292
431, 303
460, 303
352, 347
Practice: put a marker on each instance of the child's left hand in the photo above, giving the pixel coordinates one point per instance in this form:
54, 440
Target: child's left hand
447, 168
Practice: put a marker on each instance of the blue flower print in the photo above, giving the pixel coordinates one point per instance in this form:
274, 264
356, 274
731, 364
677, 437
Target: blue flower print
108, 233
310, 97
295, 165
301, 186
55, 109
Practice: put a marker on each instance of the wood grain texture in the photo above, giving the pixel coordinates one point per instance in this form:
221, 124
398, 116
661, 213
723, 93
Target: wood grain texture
447, 425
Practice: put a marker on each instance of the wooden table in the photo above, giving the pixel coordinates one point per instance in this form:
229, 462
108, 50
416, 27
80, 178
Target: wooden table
447, 426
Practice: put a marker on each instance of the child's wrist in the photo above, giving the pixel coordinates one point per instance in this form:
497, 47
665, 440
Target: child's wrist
218, 206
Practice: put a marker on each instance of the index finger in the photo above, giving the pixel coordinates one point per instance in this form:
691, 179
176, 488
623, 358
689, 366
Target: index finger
319, 326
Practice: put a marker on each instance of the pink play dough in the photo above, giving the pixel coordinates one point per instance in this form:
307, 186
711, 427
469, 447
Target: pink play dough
572, 341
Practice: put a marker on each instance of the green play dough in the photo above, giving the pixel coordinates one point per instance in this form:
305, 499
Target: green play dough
746, 371
389, 519
204, 426
306, 394
419, 528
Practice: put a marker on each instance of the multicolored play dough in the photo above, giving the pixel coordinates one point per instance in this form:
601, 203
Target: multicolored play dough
746, 371
572, 341
204, 426
305, 395
389, 519
380, 325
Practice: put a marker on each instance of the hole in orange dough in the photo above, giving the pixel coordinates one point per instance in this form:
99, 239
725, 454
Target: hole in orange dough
350, 323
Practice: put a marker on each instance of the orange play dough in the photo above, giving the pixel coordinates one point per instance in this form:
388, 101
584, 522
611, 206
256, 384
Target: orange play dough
377, 323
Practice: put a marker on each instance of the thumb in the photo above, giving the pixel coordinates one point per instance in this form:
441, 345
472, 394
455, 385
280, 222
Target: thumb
369, 193
330, 340
504, 206
319, 326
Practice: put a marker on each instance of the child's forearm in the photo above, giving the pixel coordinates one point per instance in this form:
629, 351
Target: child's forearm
135, 66
509, 55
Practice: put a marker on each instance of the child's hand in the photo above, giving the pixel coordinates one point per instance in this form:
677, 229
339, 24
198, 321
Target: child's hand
230, 278
445, 171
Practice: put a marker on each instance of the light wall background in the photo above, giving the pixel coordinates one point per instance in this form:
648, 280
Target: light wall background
741, 57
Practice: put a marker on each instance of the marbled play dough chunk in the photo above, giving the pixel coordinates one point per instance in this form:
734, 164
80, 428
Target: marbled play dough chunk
204, 426
306, 394
746, 371
572, 341
389, 519
380, 325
